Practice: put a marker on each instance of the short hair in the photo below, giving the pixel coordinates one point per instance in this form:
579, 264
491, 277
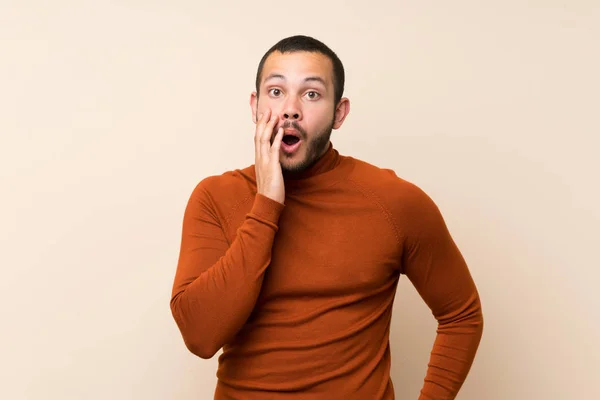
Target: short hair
306, 43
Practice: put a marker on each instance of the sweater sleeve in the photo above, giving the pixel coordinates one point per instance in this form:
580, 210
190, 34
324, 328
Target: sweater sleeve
217, 284
439, 273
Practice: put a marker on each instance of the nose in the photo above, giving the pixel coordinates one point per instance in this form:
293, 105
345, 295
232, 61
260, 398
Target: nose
291, 110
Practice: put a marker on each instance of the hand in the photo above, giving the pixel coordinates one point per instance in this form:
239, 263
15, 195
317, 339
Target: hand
269, 177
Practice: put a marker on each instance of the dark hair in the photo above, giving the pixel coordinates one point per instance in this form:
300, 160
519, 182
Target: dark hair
306, 43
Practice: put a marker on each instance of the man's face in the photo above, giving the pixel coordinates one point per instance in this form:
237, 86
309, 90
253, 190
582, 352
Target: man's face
298, 87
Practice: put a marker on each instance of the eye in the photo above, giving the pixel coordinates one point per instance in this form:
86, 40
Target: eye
275, 92
312, 95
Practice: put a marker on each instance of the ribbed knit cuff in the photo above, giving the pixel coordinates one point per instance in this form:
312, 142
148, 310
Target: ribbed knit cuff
266, 209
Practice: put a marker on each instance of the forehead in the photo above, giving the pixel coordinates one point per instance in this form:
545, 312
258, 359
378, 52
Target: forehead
298, 65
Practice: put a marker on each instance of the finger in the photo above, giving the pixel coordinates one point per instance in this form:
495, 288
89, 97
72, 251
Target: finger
267, 134
267, 131
262, 123
265, 138
262, 120
277, 143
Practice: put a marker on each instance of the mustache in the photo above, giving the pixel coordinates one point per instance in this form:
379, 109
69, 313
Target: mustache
294, 124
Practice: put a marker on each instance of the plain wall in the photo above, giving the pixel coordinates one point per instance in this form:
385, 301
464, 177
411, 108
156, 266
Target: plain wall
111, 112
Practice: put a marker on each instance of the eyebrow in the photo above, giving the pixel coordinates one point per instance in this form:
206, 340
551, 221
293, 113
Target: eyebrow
307, 79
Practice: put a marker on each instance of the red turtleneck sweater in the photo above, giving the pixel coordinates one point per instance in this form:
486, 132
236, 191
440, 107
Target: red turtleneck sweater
299, 296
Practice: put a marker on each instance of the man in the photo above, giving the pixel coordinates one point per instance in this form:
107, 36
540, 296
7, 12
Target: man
291, 265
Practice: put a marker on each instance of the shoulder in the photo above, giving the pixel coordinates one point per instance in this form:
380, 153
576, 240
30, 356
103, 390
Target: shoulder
225, 189
386, 184
407, 204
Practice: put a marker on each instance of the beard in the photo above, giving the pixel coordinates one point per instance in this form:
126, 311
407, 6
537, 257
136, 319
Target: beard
315, 147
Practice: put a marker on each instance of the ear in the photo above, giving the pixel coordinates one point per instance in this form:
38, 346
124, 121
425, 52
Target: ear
341, 112
254, 106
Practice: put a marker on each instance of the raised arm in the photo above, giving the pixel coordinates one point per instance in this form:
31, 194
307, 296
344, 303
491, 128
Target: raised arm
438, 271
216, 283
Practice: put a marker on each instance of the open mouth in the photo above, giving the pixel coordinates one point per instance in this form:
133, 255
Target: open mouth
290, 139
290, 142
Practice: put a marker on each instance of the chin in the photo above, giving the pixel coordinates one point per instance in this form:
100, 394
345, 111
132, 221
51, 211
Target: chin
297, 165
294, 165
292, 168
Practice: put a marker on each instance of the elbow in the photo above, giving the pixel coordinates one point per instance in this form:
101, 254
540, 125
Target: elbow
480, 322
477, 315
193, 333
473, 316
466, 318
200, 348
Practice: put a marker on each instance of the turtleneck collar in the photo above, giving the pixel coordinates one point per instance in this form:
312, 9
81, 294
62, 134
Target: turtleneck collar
328, 169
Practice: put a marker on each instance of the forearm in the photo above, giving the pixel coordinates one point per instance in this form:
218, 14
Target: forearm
453, 352
211, 306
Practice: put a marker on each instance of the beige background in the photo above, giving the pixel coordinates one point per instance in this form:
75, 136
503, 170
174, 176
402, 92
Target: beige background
112, 111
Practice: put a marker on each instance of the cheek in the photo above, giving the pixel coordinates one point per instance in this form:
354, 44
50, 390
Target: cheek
322, 118
268, 104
